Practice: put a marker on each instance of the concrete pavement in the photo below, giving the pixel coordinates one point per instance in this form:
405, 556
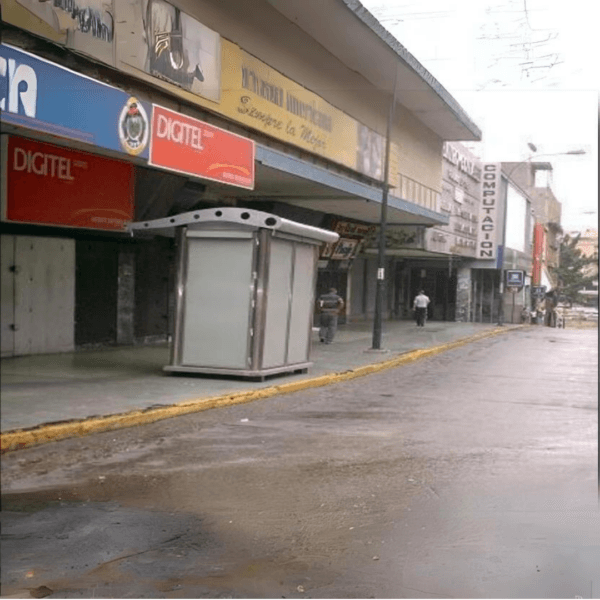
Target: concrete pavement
50, 397
471, 474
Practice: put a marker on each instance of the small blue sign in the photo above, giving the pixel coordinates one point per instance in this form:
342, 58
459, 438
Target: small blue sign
538, 291
515, 278
43, 96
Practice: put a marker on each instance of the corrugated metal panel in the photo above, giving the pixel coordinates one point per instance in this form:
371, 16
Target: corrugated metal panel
7, 280
44, 295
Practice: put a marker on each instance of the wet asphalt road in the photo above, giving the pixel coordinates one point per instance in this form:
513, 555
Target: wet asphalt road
469, 474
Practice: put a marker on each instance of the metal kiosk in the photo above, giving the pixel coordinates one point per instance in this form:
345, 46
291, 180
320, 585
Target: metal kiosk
245, 291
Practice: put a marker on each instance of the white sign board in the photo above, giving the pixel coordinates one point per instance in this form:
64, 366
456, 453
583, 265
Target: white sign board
489, 214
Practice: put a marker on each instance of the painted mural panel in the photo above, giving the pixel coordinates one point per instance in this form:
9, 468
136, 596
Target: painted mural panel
86, 26
161, 40
370, 149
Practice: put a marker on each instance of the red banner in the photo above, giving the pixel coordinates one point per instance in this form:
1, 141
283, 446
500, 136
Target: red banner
539, 242
189, 146
51, 185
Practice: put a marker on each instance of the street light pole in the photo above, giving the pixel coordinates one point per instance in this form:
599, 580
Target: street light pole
379, 291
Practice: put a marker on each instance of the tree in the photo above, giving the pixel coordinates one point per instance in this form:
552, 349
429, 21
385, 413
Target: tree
574, 273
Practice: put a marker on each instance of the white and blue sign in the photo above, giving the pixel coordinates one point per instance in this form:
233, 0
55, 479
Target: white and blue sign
515, 278
40, 95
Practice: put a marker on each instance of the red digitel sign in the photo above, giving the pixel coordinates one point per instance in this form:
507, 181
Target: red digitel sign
52, 185
189, 146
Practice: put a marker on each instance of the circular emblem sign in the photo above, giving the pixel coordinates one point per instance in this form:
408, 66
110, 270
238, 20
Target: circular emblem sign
134, 129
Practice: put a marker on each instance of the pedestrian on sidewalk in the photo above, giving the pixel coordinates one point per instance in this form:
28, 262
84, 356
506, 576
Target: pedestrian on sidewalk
330, 306
420, 306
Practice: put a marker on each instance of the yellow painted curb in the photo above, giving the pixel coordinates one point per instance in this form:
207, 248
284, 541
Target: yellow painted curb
25, 438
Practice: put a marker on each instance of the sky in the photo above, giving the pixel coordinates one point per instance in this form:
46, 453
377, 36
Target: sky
525, 71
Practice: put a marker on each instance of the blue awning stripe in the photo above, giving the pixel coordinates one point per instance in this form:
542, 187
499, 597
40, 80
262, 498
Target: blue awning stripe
295, 166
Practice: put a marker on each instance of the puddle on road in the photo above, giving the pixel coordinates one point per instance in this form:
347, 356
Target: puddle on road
226, 531
78, 546
32, 502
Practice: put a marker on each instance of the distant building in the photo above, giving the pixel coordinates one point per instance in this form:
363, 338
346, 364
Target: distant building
588, 243
588, 246
490, 232
535, 178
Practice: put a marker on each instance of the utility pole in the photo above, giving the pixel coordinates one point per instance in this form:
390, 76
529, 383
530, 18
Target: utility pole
379, 292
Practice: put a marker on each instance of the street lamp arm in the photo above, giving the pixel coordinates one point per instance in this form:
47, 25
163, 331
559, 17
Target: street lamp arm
578, 152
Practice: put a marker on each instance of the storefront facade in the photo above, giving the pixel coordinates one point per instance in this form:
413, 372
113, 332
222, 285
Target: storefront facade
74, 176
504, 249
434, 258
58, 182
215, 114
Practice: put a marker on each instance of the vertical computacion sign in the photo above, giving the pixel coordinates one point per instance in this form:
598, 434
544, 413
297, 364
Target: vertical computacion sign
489, 214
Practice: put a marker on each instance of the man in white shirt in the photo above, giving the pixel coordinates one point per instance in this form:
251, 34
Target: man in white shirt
420, 305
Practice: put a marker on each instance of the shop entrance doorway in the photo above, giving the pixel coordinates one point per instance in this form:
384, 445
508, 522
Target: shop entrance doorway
440, 285
96, 292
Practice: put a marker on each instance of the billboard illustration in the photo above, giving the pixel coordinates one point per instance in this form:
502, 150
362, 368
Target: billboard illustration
369, 154
87, 26
161, 40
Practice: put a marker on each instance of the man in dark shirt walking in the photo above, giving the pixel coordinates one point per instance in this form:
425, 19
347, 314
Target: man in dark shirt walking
330, 306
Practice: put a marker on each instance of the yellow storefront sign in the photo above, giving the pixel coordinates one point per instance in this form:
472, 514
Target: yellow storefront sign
254, 94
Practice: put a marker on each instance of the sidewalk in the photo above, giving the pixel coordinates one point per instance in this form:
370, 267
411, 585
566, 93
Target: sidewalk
46, 389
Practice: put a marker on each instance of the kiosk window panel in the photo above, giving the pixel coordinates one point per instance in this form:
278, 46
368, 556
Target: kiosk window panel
302, 303
278, 303
217, 306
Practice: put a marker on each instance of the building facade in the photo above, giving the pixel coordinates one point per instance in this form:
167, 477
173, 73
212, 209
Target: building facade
495, 285
143, 109
536, 179
587, 244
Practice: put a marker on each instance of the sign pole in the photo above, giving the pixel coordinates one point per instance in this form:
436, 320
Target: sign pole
501, 265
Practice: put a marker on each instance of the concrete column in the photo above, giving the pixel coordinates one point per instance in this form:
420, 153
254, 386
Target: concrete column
349, 295
126, 296
463, 295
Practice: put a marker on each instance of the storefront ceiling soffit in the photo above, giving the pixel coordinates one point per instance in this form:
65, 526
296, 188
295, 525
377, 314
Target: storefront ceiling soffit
341, 197
363, 210
347, 30
414, 253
